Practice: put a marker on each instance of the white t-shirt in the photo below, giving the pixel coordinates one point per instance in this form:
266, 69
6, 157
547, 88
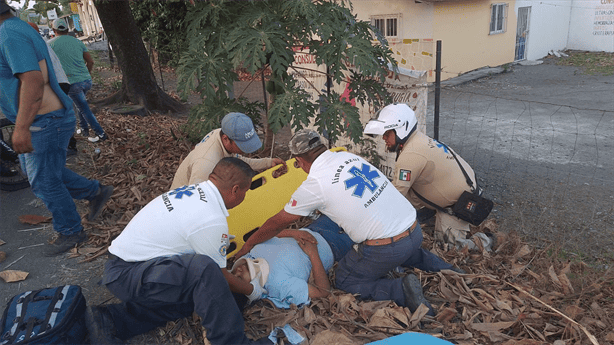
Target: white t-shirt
355, 195
189, 219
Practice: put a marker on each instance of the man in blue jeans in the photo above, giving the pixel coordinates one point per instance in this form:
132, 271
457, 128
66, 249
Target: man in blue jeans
44, 119
77, 63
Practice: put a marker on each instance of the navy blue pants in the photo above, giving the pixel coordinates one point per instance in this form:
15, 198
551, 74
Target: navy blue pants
166, 289
363, 270
340, 243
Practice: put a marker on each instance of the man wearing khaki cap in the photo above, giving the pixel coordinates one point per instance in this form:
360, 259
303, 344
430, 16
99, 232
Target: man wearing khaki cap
237, 136
359, 198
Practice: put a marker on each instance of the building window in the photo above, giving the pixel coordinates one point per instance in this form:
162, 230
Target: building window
387, 25
498, 18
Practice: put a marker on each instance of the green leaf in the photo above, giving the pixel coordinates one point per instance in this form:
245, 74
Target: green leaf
338, 118
224, 36
206, 117
293, 105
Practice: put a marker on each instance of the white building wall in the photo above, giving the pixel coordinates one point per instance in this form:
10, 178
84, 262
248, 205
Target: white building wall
592, 25
548, 26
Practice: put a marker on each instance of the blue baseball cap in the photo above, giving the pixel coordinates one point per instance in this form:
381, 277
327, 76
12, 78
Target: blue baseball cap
240, 129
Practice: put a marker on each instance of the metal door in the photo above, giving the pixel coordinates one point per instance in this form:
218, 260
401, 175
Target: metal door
522, 32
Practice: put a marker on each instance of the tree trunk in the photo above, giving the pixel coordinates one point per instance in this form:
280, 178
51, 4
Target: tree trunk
268, 132
138, 80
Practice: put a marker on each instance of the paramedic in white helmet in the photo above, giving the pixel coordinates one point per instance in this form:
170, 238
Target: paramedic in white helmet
425, 172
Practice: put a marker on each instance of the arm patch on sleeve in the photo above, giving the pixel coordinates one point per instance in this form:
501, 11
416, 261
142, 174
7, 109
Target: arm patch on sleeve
404, 175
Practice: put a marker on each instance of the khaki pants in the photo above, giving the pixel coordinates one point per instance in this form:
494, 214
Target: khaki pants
449, 229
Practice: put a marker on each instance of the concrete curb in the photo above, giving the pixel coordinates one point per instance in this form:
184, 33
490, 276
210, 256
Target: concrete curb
484, 72
473, 75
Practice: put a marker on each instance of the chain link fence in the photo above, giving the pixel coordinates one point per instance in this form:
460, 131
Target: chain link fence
546, 163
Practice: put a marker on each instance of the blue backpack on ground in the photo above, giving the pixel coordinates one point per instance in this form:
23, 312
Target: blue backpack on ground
46, 316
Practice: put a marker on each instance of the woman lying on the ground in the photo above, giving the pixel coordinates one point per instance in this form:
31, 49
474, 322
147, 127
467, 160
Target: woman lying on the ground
295, 272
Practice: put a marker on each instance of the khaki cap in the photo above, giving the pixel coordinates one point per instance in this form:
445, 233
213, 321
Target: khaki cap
304, 141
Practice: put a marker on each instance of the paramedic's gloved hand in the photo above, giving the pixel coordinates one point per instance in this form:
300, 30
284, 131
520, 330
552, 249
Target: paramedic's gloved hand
258, 290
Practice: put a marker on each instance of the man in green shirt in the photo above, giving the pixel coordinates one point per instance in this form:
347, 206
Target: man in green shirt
77, 64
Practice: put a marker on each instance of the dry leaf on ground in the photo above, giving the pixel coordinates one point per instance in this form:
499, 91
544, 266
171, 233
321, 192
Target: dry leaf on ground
11, 276
142, 155
34, 219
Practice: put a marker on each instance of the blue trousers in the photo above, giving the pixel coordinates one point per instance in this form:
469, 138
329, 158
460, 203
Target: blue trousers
46, 169
168, 288
363, 270
340, 243
77, 93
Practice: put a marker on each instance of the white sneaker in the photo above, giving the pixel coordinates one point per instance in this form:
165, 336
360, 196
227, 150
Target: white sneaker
98, 138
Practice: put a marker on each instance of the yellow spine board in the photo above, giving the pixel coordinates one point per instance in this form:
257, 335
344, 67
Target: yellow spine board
264, 201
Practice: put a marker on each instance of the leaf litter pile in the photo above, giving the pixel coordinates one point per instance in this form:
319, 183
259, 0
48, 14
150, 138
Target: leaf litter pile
516, 294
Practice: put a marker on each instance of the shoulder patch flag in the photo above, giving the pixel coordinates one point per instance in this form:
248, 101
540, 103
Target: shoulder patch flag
405, 175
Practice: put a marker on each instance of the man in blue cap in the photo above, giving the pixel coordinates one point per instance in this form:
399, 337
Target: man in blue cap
44, 119
237, 136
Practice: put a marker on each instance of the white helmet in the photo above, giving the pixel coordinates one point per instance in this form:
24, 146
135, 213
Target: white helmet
399, 117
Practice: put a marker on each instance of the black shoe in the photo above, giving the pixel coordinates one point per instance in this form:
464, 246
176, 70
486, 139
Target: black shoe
100, 326
72, 143
413, 294
96, 204
64, 243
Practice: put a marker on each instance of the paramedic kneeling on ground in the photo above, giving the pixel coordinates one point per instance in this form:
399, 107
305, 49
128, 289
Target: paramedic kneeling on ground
170, 261
425, 169
358, 197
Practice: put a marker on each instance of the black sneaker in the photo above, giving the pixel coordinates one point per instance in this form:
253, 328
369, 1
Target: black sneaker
413, 294
64, 243
100, 326
98, 202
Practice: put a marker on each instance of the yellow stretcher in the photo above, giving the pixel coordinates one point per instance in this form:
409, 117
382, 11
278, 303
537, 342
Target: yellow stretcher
268, 196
